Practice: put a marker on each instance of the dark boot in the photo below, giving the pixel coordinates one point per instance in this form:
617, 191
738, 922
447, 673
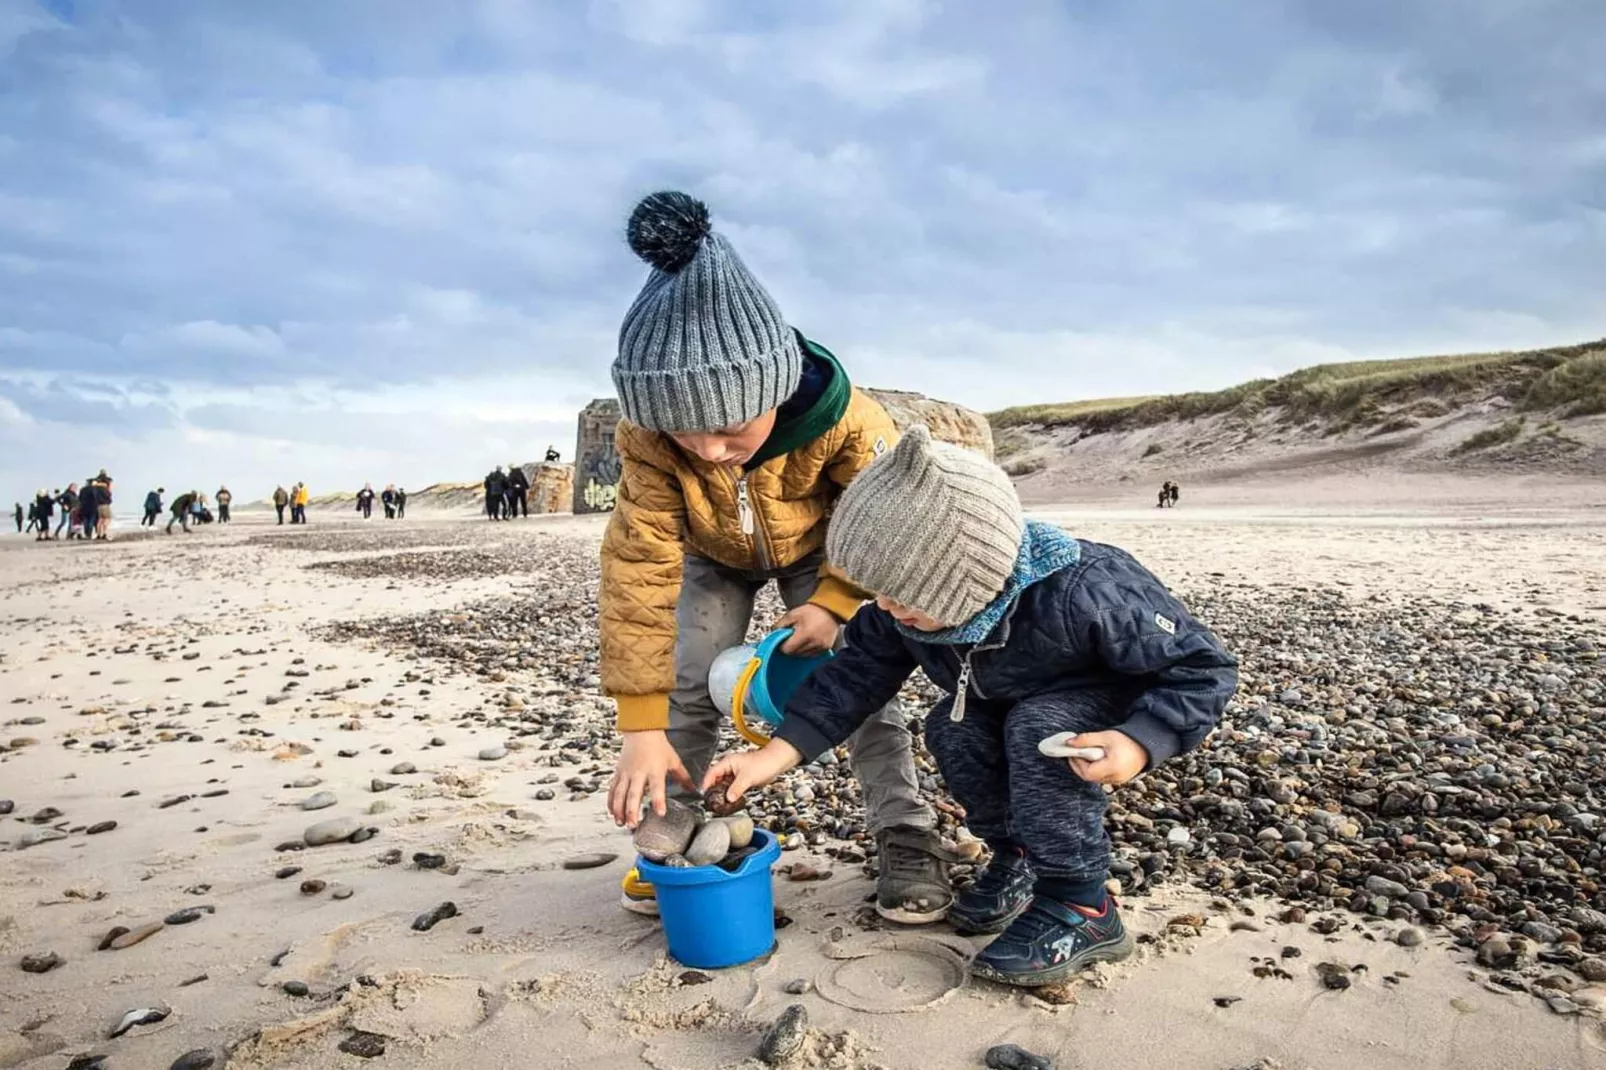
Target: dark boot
913, 887
1052, 942
998, 895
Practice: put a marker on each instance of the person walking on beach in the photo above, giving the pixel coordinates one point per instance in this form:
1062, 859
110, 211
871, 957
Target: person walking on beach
102, 484
181, 511
738, 436
18, 512
518, 491
153, 507
365, 501
495, 494
68, 501
224, 498
387, 498
44, 507
401, 504
1176, 492
281, 498
298, 507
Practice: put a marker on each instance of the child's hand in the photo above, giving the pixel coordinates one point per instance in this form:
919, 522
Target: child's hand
753, 768
814, 630
645, 765
1124, 758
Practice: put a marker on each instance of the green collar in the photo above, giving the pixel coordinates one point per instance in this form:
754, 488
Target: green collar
800, 420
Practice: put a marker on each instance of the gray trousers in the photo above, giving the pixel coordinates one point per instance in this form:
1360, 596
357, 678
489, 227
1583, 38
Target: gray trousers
713, 614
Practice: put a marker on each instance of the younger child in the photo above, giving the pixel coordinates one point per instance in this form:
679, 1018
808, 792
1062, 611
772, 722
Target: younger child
1031, 633
738, 435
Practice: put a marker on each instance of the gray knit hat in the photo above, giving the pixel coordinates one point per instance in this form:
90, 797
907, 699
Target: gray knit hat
704, 346
932, 526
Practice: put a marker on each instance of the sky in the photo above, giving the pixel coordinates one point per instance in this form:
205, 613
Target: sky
347, 241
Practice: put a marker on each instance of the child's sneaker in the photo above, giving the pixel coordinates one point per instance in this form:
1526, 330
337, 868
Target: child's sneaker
998, 895
913, 887
1050, 942
637, 896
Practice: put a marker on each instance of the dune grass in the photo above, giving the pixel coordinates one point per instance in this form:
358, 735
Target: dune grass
1340, 397
1501, 433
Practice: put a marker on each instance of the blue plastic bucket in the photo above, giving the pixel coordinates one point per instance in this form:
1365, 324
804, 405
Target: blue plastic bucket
713, 919
778, 676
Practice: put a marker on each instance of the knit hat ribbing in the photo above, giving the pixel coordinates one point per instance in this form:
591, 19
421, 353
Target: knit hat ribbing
934, 527
704, 346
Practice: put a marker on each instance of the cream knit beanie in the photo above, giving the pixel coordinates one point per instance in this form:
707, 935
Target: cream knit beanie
934, 527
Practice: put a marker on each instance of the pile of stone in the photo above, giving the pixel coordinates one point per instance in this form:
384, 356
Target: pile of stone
1429, 763
683, 837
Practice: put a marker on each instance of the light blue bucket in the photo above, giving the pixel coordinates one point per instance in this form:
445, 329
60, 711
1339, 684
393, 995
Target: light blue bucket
712, 918
778, 676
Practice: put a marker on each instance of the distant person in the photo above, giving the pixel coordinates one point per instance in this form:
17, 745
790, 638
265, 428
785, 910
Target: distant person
183, 506
68, 501
518, 492
203, 514
495, 493
1176, 492
224, 499
551, 455
89, 508
401, 504
281, 498
18, 512
153, 507
102, 484
44, 507
365, 501
298, 508
1164, 496
387, 498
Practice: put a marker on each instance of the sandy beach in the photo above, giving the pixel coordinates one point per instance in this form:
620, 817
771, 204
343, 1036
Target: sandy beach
196, 691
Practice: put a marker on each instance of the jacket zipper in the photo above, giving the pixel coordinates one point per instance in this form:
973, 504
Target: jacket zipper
748, 519
961, 689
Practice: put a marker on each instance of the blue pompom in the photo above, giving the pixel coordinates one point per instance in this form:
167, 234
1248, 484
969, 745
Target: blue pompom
667, 229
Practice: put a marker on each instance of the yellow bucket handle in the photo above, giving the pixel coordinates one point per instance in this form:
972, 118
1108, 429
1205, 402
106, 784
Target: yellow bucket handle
737, 713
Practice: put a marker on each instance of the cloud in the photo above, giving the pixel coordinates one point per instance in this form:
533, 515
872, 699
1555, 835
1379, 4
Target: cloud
384, 242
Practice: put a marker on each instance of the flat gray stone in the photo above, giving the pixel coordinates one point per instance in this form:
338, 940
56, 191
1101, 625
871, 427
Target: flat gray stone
321, 801
334, 830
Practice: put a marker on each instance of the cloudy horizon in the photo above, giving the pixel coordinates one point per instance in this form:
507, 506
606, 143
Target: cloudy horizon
363, 242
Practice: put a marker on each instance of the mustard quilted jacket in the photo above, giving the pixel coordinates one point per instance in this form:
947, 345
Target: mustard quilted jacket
670, 501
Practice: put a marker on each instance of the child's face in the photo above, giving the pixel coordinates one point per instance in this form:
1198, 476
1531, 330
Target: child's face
729, 446
912, 618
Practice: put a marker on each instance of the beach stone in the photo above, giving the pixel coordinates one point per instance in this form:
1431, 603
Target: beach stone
187, 915
376, 785
199, 1059
427, 860
1409, 936
1592, 969
100, 827
363, 835
1014, 1057
545, 795
717, 803
1178, 836
659, 837
380, 806
135, 936
321, 801
431, 918
342, 892
590, 861
295, 988
42, 963
1333, 976
785, 1037
741, 830
334, 830
7, 806
306, 782
111, 934
137, 1017
797, 987
1385, 887
403, 769
712, 843
492, 754
88, 1061
313, 886
363, 1045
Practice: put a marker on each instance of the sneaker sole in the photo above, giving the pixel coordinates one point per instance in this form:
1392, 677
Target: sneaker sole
1055, 974
991, 928
647, 908
904, 916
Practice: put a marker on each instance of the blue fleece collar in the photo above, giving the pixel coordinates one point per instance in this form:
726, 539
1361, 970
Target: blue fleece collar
1044, 550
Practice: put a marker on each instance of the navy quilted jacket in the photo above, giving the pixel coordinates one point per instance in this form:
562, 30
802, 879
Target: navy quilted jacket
1105, 622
